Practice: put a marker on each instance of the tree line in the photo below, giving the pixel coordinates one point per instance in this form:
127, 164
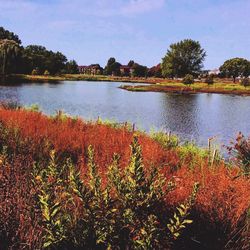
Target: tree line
134, 69
183, 59
15, 58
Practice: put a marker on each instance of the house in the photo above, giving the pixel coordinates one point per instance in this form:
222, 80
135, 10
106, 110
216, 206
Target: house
93, 69
82, 69
126, 70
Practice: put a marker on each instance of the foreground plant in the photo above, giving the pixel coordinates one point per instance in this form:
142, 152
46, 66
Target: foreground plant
50, 184
74, 203
180, 220
241, 151
125, 210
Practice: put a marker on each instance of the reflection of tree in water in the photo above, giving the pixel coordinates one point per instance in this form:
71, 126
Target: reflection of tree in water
181, 115
10, 94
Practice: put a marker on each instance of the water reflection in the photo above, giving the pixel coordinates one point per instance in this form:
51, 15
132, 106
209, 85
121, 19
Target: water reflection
196, 117
180, 114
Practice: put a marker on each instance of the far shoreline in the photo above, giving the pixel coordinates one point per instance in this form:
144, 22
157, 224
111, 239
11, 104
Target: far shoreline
169, 88
221, 86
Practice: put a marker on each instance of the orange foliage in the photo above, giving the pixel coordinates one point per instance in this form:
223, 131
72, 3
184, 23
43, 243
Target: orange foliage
221, 198
71, 138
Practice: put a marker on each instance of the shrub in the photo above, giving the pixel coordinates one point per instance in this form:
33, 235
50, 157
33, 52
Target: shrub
46, 72
209, 79
33, 107
245, 82
241, 150
188, 79
35, 72
165, 139
30, 138
10, 105
124, 209
190, 148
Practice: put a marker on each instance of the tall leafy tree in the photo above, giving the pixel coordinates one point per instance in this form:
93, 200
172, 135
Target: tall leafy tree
71, 67
5, 34
57, 62
131, 63
38, 57
182, 58
35, 57
236, 67
112, 67
139, 70
9, 50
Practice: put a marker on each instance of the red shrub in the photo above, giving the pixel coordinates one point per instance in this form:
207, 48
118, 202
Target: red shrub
71, 138
222, 199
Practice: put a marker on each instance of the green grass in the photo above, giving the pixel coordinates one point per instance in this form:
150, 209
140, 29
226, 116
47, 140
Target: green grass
219, 85
78, 77
200, 85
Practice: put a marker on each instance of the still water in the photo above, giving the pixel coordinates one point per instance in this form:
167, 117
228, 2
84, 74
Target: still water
193, 117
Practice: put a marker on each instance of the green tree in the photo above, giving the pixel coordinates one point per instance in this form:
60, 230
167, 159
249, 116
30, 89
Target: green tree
43, 59
9, 50
188, 79
139, 70
35, 72
72, 67
209, 79
57, 62
35, 57
131, 63
245, 82
111, 60
46, 72
236, 67
5, 34
184, 57
112, 67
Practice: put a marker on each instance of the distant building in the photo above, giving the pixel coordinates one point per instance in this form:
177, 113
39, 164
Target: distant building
126, 70
93, 69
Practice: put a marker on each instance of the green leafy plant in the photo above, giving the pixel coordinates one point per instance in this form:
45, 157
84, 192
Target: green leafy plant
46, 73
54, 219
241, 151
167, 140
209, 79
180, 219
127, 210
245, 82
35, 72
188, 79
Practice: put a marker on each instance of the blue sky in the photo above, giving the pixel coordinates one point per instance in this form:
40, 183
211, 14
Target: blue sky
91, 31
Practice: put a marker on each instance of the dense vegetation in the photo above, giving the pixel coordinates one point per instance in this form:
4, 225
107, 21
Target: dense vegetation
236, 67
137, 70
182, 58
69, 184
14, 58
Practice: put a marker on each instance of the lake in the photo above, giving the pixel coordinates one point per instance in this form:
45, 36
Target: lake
193, 117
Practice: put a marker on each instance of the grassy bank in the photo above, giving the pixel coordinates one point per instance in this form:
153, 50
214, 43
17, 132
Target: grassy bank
198, 87
62, 187
220, 86
81, 77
